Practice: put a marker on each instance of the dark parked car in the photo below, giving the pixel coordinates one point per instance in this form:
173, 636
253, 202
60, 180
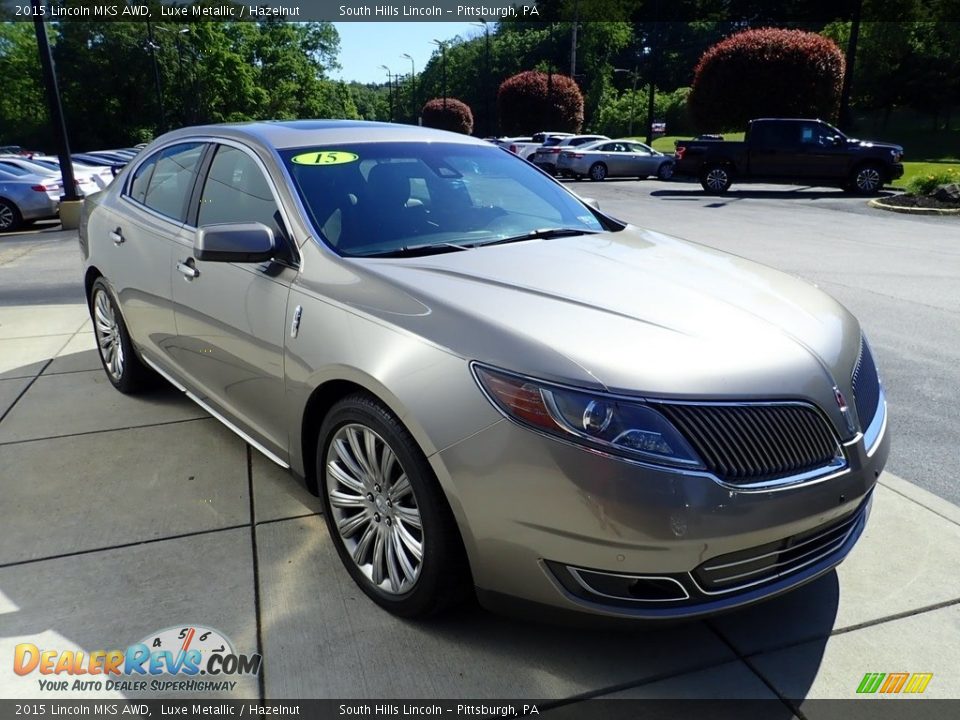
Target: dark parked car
790, 151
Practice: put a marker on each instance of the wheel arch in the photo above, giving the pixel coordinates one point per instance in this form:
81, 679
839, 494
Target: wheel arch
89, 278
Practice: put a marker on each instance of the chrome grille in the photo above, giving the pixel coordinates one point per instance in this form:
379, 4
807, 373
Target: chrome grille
866, 386
766, 563
745, 444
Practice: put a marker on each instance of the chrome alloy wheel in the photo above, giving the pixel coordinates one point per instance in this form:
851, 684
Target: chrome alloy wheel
6, 216
717, 179
868, 179
108, 335
374, 508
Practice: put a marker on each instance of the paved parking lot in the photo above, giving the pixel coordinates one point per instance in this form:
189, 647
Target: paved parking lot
123, 516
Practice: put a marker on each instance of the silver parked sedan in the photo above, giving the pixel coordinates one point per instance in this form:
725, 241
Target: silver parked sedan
25, 197
615, 158
491, 385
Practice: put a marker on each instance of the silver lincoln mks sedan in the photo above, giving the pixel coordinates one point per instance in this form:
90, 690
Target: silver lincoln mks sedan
493, 386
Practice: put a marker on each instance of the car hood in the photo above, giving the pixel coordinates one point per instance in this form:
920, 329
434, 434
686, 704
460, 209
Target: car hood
633, 312
867, 144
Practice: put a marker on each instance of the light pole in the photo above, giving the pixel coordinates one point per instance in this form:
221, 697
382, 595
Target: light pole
179, 33
389, 88
443, 60
413, 87
486, 83
634, 74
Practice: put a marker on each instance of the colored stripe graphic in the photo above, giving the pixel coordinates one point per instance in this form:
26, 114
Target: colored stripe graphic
894, 682
918, 682
870, 682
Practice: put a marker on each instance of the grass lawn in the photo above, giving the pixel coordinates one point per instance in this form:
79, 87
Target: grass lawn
915, 169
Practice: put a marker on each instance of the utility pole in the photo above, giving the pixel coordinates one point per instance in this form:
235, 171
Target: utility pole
845, 119
573, 40
55, 107
152, 45
389, 88
413, 88
443, 60
488, 120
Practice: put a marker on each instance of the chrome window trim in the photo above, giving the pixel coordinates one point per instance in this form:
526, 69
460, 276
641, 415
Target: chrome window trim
837, 468
575, 572
213, 140
125, 195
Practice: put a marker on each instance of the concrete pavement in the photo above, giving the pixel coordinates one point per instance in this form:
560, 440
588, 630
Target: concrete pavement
123, 516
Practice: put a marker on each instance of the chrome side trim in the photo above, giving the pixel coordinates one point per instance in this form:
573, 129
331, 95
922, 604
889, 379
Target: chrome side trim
244, 436
576, 573
878, 426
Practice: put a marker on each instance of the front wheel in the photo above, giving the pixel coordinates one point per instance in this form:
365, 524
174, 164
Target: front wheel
867, 179
120, 362
598, 172
716, 179
665, 171
386, 513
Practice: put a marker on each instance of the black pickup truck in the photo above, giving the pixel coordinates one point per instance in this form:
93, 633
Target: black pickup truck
794, 151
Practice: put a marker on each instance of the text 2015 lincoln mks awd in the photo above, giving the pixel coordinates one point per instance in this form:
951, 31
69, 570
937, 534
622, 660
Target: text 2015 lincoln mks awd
493, 386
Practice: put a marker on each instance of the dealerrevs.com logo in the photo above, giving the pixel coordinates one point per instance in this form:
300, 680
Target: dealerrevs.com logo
177, 659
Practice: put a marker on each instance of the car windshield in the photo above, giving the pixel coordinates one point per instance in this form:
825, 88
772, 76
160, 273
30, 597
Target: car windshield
388, 198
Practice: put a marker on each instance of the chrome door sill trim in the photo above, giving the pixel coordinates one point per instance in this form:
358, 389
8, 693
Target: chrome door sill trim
244, 436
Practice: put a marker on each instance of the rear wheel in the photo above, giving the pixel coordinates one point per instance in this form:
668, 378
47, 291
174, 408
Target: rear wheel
867, 179
120, 362
598, 172
716, 179
10, 217
386, 513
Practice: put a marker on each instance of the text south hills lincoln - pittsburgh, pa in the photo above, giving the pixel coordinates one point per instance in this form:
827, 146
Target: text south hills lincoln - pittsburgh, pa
425, 10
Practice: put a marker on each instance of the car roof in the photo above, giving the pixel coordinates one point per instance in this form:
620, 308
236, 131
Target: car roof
303, 133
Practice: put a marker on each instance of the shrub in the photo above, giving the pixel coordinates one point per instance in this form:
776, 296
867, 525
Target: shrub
928, 182
533, 101
448, 114
766, 72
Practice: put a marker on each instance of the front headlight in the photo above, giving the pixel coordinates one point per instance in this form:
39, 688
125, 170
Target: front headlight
614, 425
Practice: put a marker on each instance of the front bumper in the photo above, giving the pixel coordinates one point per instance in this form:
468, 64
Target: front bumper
556, 525
896, 171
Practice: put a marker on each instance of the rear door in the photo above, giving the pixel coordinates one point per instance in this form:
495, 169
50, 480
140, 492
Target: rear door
774, 149
136, 243
231, 317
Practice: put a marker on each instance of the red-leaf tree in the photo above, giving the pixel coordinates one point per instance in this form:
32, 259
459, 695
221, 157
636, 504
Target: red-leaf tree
532, 101
766, 72
448, 114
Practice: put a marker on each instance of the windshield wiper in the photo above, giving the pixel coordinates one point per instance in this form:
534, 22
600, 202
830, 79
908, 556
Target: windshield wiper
538, 234
417, 250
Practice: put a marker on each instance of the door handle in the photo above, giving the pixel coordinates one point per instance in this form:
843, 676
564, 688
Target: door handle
117, 236
187, 269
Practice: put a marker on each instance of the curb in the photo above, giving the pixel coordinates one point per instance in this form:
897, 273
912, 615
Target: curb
876, 203
921, 496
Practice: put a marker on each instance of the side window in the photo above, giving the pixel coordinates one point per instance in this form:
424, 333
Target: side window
163, 183
141, 179
235, 190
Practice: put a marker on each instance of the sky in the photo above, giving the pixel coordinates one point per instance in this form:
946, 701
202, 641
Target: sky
365, 46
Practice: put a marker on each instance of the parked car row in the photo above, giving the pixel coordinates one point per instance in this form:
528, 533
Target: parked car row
595, 156
31, 184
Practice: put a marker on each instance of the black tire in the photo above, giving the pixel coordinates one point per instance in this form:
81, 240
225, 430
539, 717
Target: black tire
867, 179
10, 217
598, 172
716, 179
119, 359
665, 171
443, 577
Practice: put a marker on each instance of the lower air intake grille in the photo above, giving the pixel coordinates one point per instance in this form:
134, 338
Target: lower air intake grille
745, 444
766, 563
